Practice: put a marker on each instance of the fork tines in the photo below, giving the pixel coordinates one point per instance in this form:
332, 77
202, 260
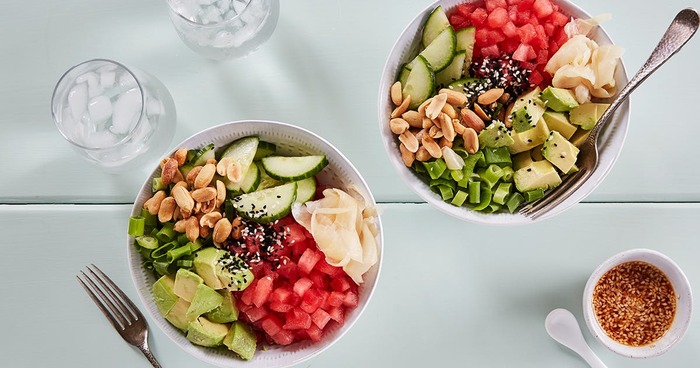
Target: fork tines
111, 300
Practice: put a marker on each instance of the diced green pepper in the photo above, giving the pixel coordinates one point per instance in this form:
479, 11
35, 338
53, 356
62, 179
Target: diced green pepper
502, 192
459, 198
514, 201
137, 225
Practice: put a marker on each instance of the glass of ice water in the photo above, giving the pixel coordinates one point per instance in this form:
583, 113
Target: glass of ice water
224, 29
115, 116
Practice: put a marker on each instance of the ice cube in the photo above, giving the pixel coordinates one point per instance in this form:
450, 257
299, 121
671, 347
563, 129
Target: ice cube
126, 111
206, 2
101, 139
107, 68
255, 12
66, 122
93, 83
154, 107
142, 131
127, 80
77, 99
238, 6
224, 6
210, 15
229, 15
224, 39
100, 109
107, 79
244, 34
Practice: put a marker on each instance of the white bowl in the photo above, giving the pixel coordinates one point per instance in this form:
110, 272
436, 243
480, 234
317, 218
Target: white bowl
610, 140
339, 173
684, 303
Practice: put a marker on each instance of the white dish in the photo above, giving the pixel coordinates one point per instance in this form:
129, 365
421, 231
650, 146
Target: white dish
684, 303
339, 173
611, 139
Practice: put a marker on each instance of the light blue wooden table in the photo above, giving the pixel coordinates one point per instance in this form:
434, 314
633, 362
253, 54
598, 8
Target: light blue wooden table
489, 288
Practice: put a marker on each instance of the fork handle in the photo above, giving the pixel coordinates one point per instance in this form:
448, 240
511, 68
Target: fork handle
149, 356
678, 33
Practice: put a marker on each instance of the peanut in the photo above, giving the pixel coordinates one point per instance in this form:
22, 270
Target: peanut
422, 154
169, 169
504, 98
399, 110
237, 228
210, 219
222, 230
234, 172
205, 175
181, 183
450, 111
480, 111
435, 132
204, 231
435, 107
490, 96
409, 140
192, 228
181, 156
193, 174
471, 140
152, 205
413, 118
423, 106
204, 194
396, 94
398, 125
220, 193
179, 226
448, 130
223, 165
407, 156
432, 147
455, 97
472, 120
167, 207
458, 127
444, 142
183, 199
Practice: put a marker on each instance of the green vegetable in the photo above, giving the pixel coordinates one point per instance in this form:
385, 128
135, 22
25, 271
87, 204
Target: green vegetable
459, 198
166, 233
177, 253
508, 174
151, 220
499, 156
534, 195
491, 175
514, 201
485, 200
157, 184
137, 225
446, 192
147, 242
502, 192
435, 168
474, 192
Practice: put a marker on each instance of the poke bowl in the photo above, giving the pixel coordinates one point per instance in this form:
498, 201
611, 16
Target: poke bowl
232, 283
502, 104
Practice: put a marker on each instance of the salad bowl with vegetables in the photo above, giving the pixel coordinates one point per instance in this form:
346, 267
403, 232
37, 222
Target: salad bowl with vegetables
483, 104
255, 242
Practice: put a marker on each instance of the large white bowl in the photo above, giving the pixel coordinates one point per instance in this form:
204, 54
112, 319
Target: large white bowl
684, 303
340, 173
406, 47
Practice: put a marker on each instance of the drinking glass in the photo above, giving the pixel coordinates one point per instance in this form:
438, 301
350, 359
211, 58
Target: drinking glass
115, 116
224, 29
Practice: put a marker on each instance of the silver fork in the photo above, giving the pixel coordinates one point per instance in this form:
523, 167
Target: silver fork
678, 33
118, 308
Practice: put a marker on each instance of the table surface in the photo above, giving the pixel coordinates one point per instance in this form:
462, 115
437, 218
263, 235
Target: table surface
490, 288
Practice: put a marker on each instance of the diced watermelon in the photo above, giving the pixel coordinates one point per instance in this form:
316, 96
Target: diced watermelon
244, 307
283, 337
542, 8
337, 314
490, 51
271, 324
351, 299
509, 46
492, 5
525, 4
561, 37
256, 313
288, 270
466, 9
294, 233
527, 33
558, 19
340, 283
459, 21
479, 16
308, 260
542, 57
523, 17
482, 36
496, 36
314, 333
335, 299
541, 39
297, 319
298, 247
326, 268
311, 301
498, 17
524, 53
320, 318
536, 78
280, 295
302, 285
549, 29
262, 292
247, 295
510, 30
280, 307
319, 279
512, 2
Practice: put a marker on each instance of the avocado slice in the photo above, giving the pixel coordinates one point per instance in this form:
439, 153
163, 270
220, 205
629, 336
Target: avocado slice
529, 139
559, 99
227, 311
163, 294
206, 333
527, 110
241, 340
579, 137
176, 316
521, 160
587, 115
220, 269
204, 300
186, 283
560, 152
537, 175
495, 135
560, 122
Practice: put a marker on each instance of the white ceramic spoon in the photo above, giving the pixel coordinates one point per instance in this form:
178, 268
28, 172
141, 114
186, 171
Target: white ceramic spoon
563, 327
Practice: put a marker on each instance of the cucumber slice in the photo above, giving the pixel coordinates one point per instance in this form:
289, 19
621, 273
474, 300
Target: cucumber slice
251, 180
453, 71
467, 86
200, 156
265, 180
436, 23
242, 152
465, 42
293, 168
420, 83
264, 149
403, 74
267, 205
440, 52
306, 190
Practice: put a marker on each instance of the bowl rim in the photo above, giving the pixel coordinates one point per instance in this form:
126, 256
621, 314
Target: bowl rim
318, 347
499, 219
681, 287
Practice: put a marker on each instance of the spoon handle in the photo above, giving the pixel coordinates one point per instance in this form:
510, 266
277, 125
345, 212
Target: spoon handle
678, 33
592, 359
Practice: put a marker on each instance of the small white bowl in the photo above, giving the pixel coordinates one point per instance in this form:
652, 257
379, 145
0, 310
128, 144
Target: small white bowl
684, 304
340, 173
610, 140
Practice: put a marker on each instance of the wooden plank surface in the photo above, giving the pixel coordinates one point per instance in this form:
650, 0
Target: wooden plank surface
450, 293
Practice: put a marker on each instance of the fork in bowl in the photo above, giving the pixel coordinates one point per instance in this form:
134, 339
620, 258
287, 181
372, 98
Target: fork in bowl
678, 33
118, 308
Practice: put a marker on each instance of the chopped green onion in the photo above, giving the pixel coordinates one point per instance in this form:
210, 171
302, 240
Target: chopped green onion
459, 198
177, 253
492, 207
499, 156
474, 192
161, 252
471, 162
229, 211
435, 168
157, 184
419, 168
147, 242
151, 220
534, 194
485, 194
166, 233
502, 192
446, 192
185, 263
491, 175
182, 239
441, 181
161, 267
514, 201
195, 245
137, 225
457, 175
508, 174
145, 253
